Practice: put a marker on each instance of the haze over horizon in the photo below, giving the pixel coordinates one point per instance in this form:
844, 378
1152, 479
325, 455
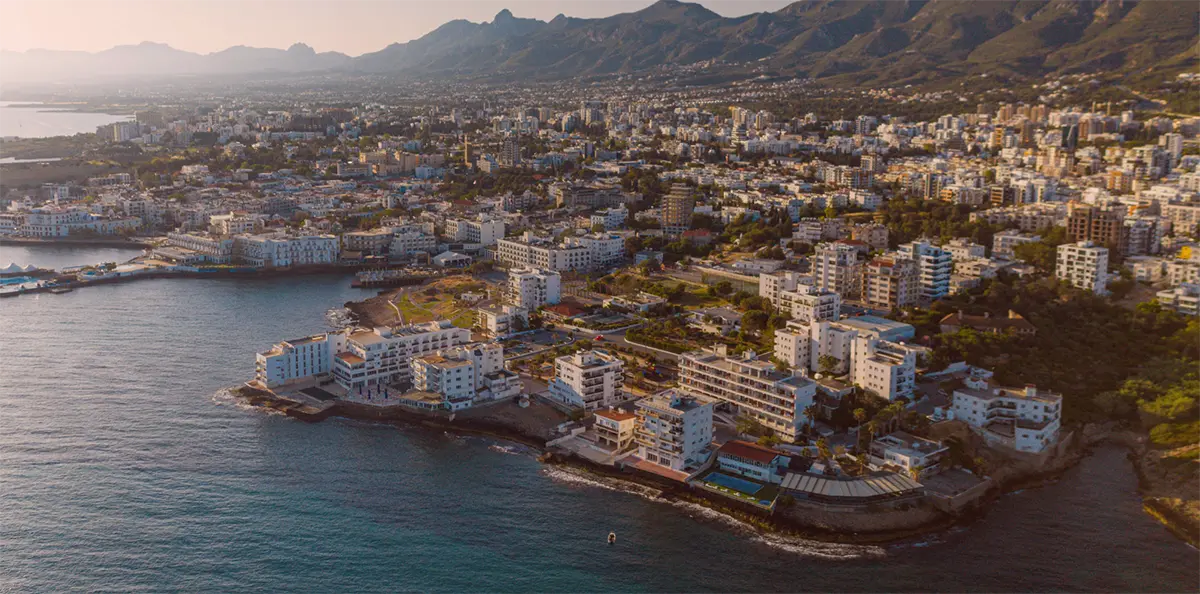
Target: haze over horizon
206, 26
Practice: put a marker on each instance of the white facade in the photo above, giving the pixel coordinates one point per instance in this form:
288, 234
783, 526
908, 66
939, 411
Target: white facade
886, 368
1084, 265
531, 289
934, 267
1005, 242
809, 304
836, 267
503, 320
673, 429
299, 359
1026, 420
484, 232
753, 387
588, 379
380, 357
281, 251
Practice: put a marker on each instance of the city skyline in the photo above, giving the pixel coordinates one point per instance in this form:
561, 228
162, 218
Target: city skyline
206, 26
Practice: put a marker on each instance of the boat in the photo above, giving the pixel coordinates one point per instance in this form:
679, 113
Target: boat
60, 290
612, 538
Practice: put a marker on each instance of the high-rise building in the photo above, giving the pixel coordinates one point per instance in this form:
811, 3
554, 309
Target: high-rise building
934, 266
1102, 226
673, 428
678, 206
891, 282
587, 380
510, 151
1084, 265
530, 289
753, 387
835, 267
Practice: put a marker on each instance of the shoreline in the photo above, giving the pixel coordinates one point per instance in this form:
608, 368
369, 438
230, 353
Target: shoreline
83, 242
766, 525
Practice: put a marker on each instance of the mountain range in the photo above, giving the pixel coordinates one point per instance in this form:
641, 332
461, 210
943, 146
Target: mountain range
859, 42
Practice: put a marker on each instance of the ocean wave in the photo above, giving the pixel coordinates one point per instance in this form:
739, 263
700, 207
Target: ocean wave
338, 318
799, 546
509, 449
226, 397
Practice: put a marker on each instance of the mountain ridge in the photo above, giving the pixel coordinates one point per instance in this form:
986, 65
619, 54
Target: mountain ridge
862, 42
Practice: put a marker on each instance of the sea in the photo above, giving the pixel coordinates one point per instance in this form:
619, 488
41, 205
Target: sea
42, 121
125, 466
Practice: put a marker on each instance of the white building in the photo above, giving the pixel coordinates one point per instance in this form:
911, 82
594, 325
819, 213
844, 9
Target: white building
466, 375
588, 379
809, 304
963, 249
610, 218
884, 367
802, 344
750, 387
1184, 299
1005, 242
673, 429
531, 289
908, 452
1026, 420
503, 320
377, 358
836, 267
281, 251
300, 359
484, 232
1084, 265
934, 267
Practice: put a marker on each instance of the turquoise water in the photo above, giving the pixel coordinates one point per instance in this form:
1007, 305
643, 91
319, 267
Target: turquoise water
15, 280
58, 257
124, 467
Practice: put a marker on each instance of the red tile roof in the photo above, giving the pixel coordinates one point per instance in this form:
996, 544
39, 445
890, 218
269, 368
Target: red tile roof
749, 450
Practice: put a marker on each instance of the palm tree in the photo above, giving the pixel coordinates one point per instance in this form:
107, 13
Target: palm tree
860, 415
823, 448
810, 412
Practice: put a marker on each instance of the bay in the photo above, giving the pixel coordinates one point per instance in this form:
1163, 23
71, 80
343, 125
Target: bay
124, 466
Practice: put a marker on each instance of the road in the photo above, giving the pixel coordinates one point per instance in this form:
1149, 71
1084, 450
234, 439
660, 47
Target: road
618, 338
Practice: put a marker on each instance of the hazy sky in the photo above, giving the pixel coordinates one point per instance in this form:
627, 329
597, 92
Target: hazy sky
350, 26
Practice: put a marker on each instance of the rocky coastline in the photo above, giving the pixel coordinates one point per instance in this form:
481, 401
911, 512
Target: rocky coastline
797, 521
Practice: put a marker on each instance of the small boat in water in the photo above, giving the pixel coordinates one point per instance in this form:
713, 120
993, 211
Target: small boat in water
61, 290
612, 538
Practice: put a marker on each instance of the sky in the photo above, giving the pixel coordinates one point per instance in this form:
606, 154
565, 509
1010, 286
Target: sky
350, 26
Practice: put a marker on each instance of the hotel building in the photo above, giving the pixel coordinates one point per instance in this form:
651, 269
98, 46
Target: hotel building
749, 386
588, 379
673, 429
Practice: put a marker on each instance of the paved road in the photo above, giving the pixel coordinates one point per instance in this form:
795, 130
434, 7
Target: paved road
618, 338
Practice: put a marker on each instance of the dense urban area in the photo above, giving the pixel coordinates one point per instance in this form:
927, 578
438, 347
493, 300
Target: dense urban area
848, 311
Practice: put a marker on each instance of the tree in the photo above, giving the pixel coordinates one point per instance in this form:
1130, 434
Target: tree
810, 413
823, 448
860, 416
598, 228
826, 363
755, 321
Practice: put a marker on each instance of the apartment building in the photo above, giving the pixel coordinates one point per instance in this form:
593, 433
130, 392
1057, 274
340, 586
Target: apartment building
836, 267
886, 368
295, 360
1101, 226
373, 242
529, 252
281, 250
588, 379
872, 234
1005, 242
484, 232
802, 344
749, 386
673, 429
502, 320
615, 428
1025, 420
677, 208
963, 249
453, 379
1084, 265
908, 452
530, 289
809, 304
771, 285
380, 357
1184, 299
934, 267
407, 243
891, 282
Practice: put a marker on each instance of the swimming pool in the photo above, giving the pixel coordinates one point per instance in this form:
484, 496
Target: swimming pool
732, 482
16, 280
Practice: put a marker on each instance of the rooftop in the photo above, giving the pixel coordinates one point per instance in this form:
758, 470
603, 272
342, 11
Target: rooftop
749, 450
